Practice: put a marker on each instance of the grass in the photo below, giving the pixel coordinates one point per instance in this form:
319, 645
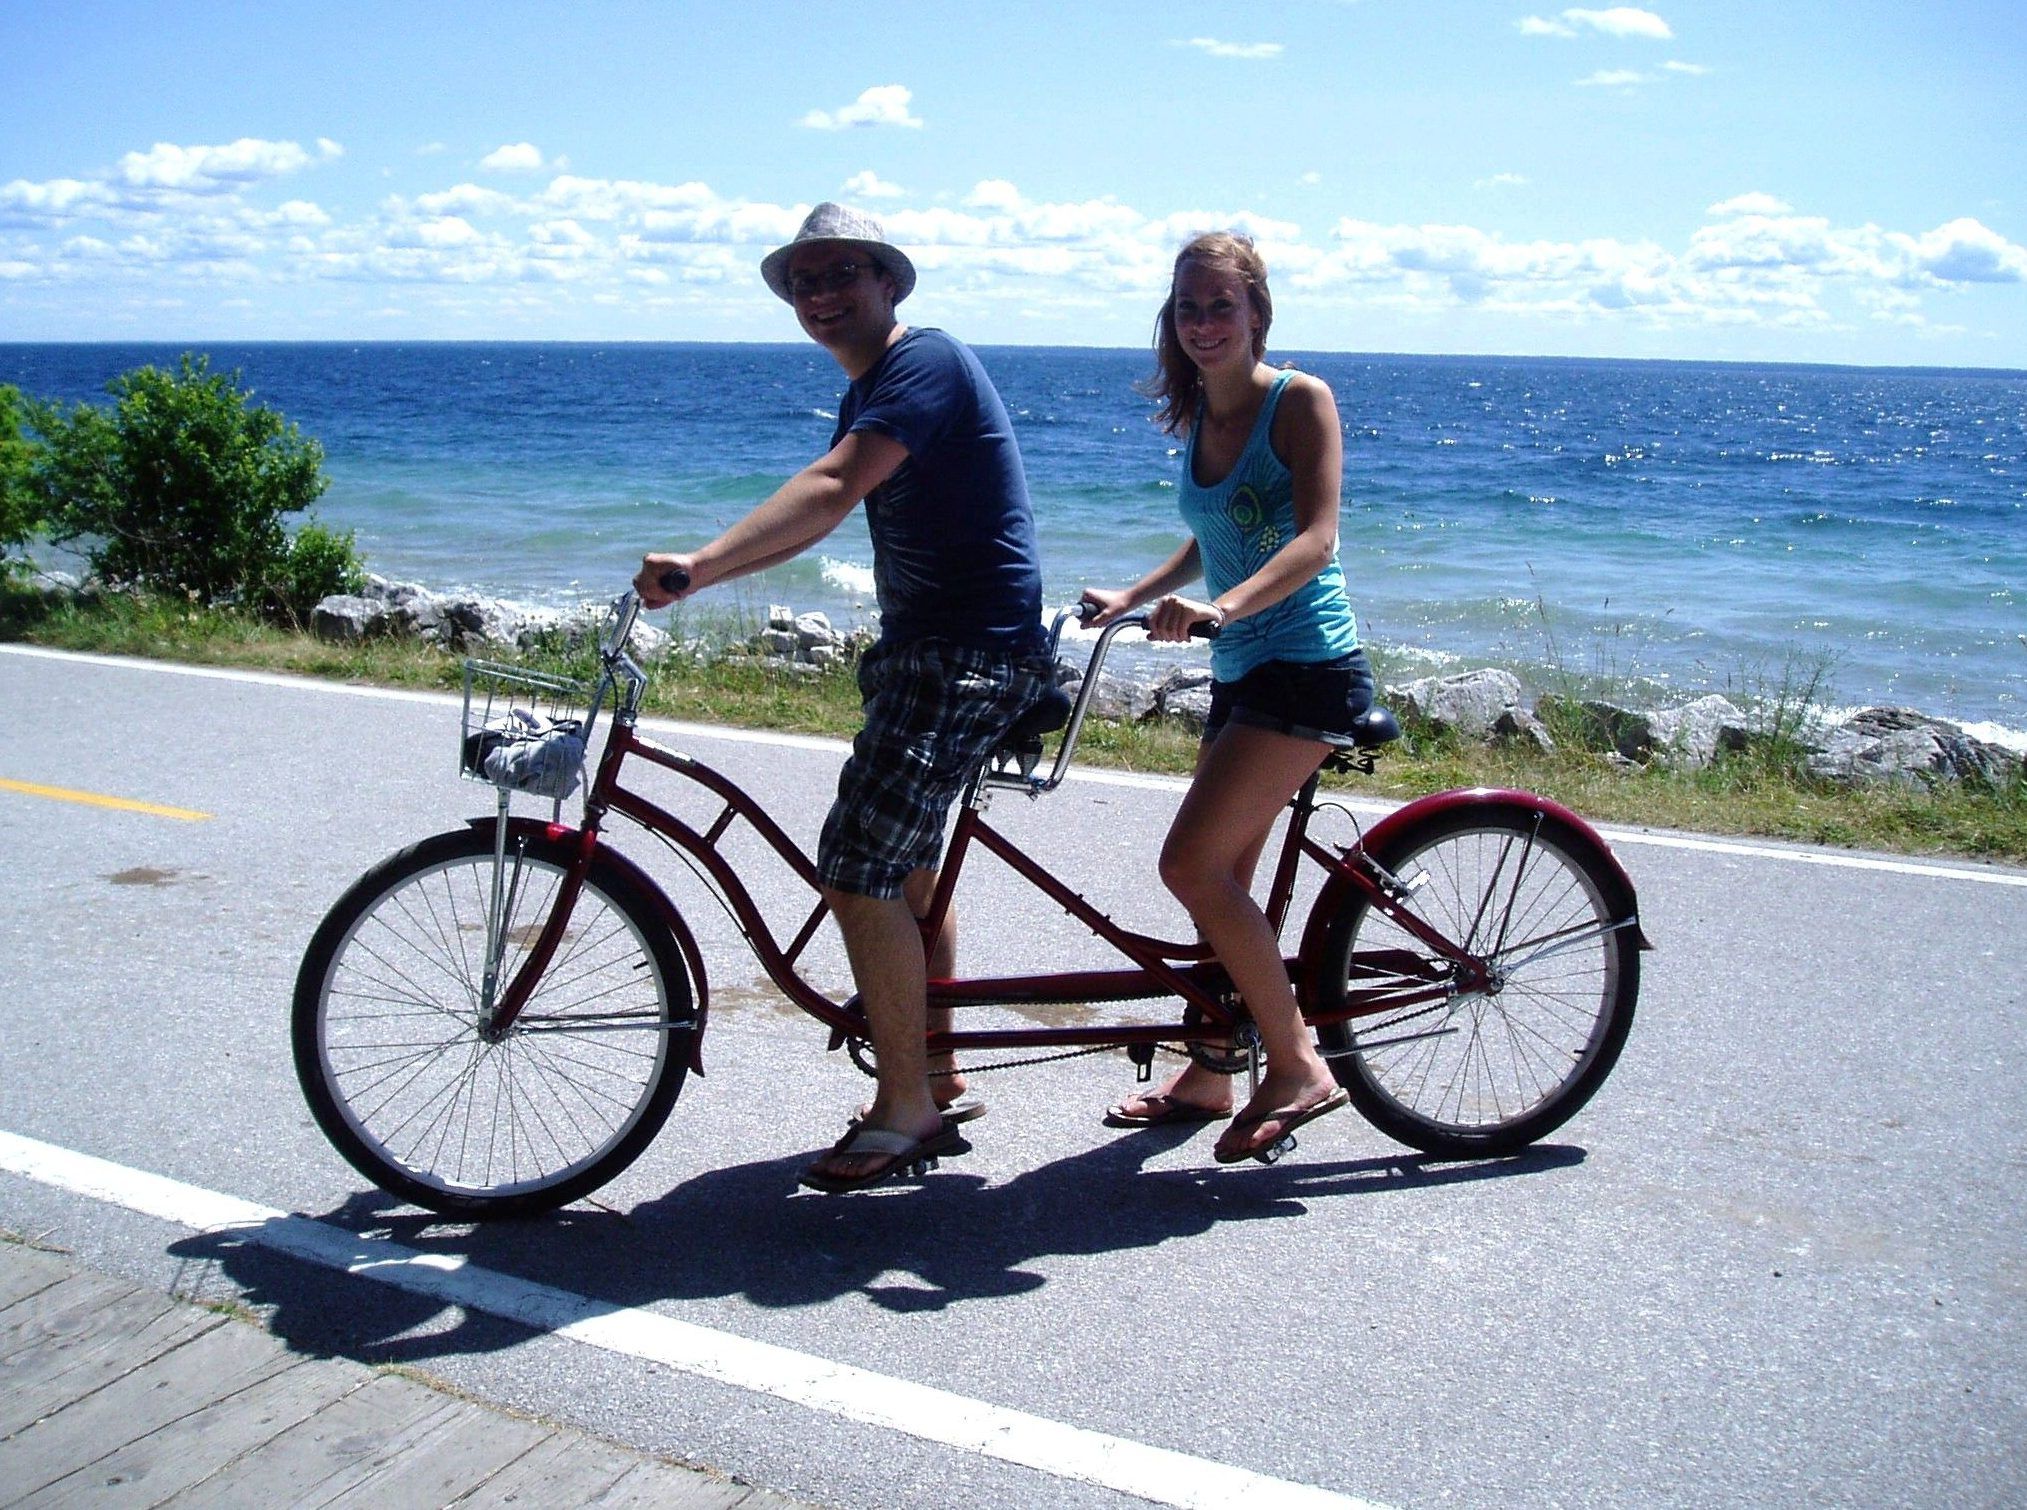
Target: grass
1760, 791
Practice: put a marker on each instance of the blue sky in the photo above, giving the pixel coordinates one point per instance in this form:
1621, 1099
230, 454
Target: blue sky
1822, 180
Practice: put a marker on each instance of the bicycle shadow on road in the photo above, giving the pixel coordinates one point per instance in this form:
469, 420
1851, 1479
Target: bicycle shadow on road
729, 1234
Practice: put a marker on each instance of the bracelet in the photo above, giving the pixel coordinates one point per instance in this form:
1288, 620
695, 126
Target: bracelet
1222, 615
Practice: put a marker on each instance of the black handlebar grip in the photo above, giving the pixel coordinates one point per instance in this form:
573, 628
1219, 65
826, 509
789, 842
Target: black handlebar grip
675, 579
1202, 629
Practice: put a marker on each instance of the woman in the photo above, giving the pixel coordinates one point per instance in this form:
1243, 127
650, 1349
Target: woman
1259, 493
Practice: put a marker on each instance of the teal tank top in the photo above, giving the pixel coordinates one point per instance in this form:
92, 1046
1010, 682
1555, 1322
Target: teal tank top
1239, 525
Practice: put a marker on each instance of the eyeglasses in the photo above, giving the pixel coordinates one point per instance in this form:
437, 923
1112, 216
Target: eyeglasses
832, 280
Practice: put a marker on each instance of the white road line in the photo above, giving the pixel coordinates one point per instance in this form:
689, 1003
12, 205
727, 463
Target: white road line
1829, 857
854, 1394
1742, 848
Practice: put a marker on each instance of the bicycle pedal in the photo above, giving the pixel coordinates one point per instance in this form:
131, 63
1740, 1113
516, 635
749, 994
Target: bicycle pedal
1269, 1155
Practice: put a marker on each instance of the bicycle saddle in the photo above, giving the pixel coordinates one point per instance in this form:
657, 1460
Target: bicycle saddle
1044, 716
1375, 727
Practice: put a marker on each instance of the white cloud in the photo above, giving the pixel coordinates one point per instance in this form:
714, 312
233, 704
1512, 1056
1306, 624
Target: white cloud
882, 105
993, 194
1251, 51
1617, 21
58, 199
210, 170
869, 185
1613, 78
516, 157
1749, 204
1621, 21
1312, 178
466, 199
1964, 251
1694, 70
1753, 262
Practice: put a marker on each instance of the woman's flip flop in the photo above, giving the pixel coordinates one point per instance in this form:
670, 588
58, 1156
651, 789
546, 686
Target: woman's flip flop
1169, 1110
1290, 1118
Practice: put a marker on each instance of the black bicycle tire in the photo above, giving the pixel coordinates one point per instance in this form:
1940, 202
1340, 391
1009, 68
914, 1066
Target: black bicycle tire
657, 1099
1611, 897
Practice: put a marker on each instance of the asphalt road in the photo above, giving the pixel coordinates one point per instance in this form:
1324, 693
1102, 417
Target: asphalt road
1782, 1257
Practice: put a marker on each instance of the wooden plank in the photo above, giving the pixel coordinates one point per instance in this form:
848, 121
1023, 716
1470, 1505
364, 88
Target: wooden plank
325, 1453
75, 1305
567, 1469
211, 1365
663, 1486
189, 1450
464, 1447
24, 1271
72, 1340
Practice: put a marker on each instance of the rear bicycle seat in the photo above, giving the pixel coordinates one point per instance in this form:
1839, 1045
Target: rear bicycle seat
1374, 730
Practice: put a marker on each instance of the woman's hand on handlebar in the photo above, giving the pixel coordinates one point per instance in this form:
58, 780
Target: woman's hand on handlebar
664, 578
1179, 618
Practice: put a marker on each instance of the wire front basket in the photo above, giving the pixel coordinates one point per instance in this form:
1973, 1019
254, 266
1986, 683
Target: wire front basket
526, 731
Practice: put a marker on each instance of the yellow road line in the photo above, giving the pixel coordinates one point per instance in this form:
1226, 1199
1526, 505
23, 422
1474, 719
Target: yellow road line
98, 799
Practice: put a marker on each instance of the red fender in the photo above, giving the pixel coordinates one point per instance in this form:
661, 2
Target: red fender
1335, 890
686, 942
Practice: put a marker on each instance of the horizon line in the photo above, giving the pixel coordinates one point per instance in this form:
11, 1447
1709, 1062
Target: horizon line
191, 343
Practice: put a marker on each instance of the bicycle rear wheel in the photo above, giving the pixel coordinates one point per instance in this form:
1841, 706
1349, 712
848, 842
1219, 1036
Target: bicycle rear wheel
1485, 1071
388, 1049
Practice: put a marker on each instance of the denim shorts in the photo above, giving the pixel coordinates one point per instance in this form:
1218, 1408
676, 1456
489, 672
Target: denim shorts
934, 711
1310, 700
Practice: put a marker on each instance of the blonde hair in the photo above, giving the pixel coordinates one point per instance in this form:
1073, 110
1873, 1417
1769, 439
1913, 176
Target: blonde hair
1176, 382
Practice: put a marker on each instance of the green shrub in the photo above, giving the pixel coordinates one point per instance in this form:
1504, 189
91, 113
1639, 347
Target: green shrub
320, 562
20, 506
181, 486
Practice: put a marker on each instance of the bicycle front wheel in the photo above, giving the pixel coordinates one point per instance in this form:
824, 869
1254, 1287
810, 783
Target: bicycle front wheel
1483, 1071
387, 1040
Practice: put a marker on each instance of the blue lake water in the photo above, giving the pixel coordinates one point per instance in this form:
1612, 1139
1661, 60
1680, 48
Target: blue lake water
1700, 526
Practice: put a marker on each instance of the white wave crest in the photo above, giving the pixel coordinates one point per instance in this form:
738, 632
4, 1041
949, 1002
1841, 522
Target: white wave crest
846, 576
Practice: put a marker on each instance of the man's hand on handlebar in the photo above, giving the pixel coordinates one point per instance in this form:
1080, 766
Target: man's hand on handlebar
664, 578
1100, 606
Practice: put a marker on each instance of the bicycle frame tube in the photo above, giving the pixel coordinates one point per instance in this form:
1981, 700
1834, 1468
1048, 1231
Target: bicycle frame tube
1163, 967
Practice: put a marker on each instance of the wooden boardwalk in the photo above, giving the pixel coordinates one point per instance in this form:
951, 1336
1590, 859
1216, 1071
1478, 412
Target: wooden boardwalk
113, 1395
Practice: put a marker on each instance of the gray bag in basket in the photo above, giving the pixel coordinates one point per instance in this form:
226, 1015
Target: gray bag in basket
535, 755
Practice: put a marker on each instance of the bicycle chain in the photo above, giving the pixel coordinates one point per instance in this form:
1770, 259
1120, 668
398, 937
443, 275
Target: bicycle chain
858, 1048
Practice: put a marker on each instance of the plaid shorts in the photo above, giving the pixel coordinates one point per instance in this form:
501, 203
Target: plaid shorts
934, 711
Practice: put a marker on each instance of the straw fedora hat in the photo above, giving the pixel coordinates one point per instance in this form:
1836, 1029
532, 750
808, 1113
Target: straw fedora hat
841, 223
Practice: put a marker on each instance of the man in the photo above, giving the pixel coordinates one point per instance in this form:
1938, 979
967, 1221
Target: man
923, 439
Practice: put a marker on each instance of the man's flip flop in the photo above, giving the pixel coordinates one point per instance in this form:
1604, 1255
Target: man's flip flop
1289, 1118
897, 1152
963, 1109
1170, 1110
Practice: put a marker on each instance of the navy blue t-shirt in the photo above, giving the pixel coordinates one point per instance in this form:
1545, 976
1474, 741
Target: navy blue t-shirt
953, 532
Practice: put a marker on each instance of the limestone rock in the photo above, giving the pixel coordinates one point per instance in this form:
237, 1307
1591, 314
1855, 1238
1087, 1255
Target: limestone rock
344, 619
1908, 748
1467, 703
1690, 737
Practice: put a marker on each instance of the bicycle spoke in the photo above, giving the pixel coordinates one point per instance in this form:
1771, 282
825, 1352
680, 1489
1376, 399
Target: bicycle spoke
424, 1091
1550, 965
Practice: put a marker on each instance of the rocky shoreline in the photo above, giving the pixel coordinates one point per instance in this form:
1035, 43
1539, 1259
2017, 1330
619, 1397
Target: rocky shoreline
1878, 744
